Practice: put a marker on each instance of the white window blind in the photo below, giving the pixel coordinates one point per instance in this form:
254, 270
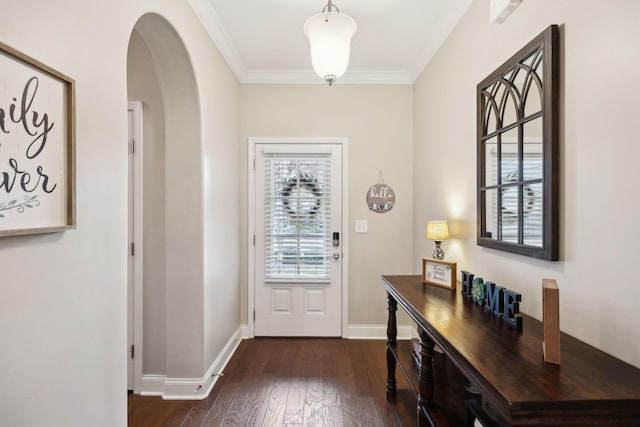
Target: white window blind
532, 201
297, 217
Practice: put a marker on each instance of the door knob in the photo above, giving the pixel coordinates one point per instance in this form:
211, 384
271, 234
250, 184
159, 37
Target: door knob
336, 256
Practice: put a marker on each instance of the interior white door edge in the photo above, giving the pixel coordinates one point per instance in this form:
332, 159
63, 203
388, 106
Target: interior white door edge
135, 278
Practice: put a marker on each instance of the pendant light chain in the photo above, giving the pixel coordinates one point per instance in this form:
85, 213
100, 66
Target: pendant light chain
329, 7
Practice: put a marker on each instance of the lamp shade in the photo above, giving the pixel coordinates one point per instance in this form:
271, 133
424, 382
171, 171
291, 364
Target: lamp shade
329, 36
437, 230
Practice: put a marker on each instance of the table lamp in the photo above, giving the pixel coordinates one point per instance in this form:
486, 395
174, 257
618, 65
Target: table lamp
438, 231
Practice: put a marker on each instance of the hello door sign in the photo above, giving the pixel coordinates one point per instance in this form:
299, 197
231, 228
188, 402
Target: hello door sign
37, 132
381, 197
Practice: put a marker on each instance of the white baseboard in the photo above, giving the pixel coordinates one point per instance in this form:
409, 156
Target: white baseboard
191, 388
358, 332
152, 385
247, 331
379, 332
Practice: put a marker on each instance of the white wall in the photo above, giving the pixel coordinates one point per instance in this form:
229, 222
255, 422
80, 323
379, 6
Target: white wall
63, 306
599, 97
222, 196
378, 122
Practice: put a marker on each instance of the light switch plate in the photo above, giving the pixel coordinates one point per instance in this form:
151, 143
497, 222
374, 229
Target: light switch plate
362, 226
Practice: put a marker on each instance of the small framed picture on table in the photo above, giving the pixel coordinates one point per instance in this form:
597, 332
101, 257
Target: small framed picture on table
439, 273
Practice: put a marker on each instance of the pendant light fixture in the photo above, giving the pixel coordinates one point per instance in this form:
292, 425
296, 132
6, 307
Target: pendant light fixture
329, 34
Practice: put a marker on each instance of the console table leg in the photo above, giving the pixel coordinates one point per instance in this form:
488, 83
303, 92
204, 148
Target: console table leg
392, 333
425, 376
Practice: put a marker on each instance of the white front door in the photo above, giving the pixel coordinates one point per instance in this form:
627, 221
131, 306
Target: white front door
298, 239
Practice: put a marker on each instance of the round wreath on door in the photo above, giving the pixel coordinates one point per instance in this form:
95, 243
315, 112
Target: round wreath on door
292, 187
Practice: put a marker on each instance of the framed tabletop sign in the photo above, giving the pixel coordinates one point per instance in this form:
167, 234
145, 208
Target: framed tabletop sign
439, 273
37, 137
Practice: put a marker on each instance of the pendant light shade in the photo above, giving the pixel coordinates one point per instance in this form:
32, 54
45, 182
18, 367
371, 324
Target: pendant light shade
329, 36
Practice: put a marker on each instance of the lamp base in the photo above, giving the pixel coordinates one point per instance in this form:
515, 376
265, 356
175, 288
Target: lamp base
438, 253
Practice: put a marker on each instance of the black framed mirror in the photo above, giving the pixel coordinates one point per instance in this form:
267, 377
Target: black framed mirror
518, 151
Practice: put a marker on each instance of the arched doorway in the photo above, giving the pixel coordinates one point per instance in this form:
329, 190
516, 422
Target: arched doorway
160, 76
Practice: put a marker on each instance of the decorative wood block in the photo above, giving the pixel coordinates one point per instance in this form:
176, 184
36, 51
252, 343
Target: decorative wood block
550, 321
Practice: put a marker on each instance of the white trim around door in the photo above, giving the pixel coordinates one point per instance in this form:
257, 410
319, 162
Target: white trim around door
252, 142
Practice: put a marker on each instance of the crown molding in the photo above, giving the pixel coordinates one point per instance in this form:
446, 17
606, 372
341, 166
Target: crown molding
209, 19
207, 15
309, 77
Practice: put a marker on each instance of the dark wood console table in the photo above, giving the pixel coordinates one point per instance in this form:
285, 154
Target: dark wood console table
511, 385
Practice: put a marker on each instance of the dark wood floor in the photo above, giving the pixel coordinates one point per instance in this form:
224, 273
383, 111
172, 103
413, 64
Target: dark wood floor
285, 382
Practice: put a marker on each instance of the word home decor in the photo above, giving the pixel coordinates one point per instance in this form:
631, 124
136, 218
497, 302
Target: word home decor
495, 299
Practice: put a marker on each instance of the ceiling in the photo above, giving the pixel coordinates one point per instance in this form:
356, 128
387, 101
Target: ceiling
263, 41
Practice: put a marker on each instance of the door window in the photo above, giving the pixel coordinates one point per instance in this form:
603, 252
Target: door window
297, 218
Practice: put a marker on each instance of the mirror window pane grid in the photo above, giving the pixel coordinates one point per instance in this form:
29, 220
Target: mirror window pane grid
512, 154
